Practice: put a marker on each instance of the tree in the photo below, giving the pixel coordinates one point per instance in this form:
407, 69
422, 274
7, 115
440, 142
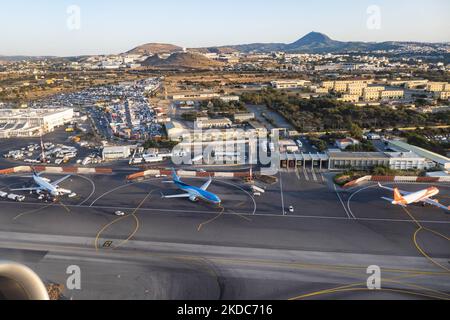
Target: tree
355, 131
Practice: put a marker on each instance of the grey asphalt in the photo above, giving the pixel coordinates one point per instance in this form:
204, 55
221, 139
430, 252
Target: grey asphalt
252, 251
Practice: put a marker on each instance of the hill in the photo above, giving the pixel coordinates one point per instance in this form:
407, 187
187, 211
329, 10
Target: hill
155, 48
184, 60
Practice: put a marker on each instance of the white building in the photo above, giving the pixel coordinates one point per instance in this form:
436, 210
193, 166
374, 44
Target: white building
243, 117
32, 122
120, 152
432, 158
176, 131
405, 161
289, 84
213, 123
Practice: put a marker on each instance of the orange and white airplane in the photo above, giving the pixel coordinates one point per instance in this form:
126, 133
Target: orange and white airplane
404, 198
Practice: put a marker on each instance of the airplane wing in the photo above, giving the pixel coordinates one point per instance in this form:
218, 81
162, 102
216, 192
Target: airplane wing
55, 183
184, 195
436, 204
391, 201
403, 193
207, 184
27, 189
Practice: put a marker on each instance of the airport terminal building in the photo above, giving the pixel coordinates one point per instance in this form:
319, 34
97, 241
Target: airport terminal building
32, 122
354, 160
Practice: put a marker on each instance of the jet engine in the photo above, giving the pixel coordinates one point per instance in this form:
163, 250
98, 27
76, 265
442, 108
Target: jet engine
193, 198
18, 282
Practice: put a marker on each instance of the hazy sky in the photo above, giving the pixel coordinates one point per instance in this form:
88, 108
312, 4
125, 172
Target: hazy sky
40, 27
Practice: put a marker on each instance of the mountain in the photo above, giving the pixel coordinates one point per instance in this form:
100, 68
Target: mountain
316, 42
155, 48
184, 60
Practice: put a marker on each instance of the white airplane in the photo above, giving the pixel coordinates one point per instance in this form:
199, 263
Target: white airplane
404, 198
44, 185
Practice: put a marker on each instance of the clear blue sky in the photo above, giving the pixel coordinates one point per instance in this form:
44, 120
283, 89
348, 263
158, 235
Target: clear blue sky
39, 27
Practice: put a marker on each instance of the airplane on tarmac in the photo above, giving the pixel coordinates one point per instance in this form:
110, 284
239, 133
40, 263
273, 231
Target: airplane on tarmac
194, 193
404, 198
44, 185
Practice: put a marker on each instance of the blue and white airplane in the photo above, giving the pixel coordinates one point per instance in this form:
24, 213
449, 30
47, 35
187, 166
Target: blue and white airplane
194, 193
45, 185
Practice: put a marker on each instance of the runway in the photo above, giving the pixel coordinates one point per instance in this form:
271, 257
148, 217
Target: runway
252, 251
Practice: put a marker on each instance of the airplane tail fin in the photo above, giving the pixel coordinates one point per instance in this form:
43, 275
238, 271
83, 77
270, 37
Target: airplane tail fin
35, 173
397, 196
175, 177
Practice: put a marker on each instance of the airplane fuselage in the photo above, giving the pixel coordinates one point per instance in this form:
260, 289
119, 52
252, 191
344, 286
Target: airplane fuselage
198, 193
45, 185
420, 195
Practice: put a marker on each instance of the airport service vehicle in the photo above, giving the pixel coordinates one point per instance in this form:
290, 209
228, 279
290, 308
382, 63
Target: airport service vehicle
44, 185
404, 198
258, 189
257, 194
194, 193
291, 209
16, 197
119, 213
299, 143
3, 194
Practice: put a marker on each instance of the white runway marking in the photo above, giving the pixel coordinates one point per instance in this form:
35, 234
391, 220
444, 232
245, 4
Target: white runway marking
305, 174
313, 175
93, 188
342, 202
283, 212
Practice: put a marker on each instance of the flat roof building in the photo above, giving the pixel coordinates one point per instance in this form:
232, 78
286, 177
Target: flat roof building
289, 84
244, 117
437, 159
32, 122
117, 152
213, 123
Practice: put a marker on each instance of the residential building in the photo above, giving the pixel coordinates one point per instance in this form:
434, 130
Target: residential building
345, 143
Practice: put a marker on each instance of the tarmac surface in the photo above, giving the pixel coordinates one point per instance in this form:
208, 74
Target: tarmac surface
249, 248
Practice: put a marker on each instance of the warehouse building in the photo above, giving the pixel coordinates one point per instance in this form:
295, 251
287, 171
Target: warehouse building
32, 122
119, 152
